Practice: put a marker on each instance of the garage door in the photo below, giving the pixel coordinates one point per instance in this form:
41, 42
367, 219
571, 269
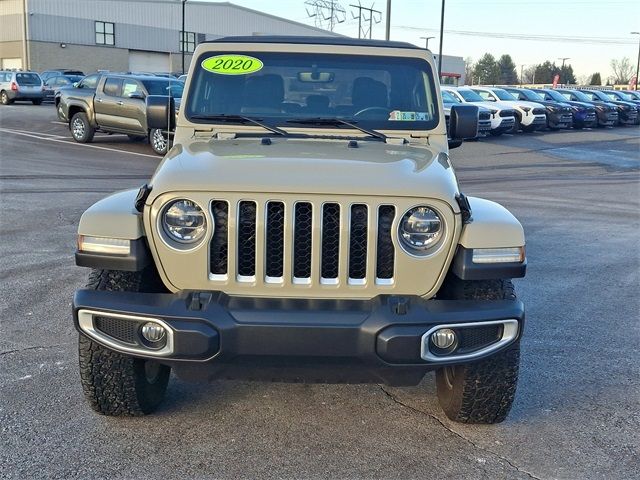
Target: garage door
11, 63
142, 61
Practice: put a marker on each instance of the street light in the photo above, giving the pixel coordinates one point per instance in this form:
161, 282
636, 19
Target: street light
183, 42
562, 68
637, 64
427, 41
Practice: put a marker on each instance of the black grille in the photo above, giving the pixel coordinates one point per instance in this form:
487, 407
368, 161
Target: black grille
473, 338
484, 116
275, 239
507, 113
539, 111
302, 240
330, 240
247, 239
118, 328
358, 242
219, 247
385, 255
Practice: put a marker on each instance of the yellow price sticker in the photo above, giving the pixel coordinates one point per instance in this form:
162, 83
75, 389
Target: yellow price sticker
232, 64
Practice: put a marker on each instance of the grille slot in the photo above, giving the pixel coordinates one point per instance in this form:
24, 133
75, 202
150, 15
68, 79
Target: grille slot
303, 227
219, 248
246, 240
118, 328
385, 258
473, 338
330, 241
274, 248
358, 242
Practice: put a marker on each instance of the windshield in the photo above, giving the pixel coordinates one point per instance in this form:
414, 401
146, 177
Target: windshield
27, 79
470, 96
164, 87
447, 97
558, 97
579, 95
374, 91
532, 96
503, 94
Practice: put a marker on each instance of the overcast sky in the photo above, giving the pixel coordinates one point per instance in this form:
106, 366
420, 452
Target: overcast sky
590, 32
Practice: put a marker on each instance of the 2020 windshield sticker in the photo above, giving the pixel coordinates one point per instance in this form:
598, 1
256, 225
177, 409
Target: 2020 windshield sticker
231, 64
398, 116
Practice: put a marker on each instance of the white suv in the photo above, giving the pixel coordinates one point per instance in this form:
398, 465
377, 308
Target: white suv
503, 116
530, 116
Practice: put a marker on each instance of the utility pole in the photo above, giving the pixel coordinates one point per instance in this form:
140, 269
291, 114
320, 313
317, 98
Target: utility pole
521, 69
637, 64
441, 37
183, 42
426, 43
362, 32
387, 34
326, 13
562, 68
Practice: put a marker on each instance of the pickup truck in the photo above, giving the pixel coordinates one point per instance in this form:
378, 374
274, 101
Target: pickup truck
117, 105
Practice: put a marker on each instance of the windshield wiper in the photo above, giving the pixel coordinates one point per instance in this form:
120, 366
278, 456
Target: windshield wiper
336, 122
239, 119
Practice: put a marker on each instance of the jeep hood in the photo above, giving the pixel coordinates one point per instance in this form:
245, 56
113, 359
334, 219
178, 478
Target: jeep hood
313, 166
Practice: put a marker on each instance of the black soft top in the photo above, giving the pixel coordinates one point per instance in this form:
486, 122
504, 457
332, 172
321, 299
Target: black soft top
313, 40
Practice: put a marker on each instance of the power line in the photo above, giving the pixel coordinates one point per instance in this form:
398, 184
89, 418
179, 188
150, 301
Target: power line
325, 13
375, 16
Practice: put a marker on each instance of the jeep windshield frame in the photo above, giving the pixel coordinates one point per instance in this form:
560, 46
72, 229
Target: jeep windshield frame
376, 92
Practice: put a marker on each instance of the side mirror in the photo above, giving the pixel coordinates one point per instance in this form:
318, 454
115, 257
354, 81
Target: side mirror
77, 85
463, 124
161, 112
136, 95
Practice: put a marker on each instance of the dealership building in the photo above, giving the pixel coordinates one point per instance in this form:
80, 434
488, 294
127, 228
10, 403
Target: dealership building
134, 35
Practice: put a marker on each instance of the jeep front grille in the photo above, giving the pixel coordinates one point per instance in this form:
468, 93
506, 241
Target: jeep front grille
311, 241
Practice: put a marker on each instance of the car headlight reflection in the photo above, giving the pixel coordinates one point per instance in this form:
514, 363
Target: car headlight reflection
184, 221
420, 230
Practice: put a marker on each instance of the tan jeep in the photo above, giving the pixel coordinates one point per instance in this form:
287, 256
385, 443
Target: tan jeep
307, 225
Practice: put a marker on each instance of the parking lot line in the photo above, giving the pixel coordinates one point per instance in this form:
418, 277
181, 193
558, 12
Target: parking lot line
66, 142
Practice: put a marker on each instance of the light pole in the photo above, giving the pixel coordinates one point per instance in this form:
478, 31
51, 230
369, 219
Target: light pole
637, 64
427, 41
388, 25
521, 68
183, 42
441, 36
562, 68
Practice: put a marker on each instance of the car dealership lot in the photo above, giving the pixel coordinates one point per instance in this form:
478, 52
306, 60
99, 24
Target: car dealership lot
576, 411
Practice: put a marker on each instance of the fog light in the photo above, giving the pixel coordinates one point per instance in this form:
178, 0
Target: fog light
443, 338
153, 332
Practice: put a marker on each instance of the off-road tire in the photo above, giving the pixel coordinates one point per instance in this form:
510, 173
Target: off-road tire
36, 102
81, 129
481, 391
4, 98
115, 384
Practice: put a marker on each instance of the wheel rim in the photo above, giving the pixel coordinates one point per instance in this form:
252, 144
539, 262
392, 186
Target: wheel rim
151, 371
4, 97
448, 377
77, 128
158, 140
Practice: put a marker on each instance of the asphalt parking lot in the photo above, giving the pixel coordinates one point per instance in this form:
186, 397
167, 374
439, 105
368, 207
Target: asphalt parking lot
576, 414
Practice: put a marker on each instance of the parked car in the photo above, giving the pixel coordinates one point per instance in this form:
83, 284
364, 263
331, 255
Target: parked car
621, 96
633, 93
306, 245
20, 85
47, 74
584, 114
559, 114
607, 112
117, 105
55, 83
484, 114
627, 112
530, 116
502, 117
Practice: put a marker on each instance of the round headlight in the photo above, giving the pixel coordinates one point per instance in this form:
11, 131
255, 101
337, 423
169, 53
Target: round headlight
420, 229
184, 221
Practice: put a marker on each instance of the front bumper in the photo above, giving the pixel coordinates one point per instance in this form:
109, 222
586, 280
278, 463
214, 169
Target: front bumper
560, 119
607, 118
211, 334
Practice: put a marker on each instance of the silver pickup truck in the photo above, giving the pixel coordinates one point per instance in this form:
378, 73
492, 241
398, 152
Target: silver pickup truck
117, 105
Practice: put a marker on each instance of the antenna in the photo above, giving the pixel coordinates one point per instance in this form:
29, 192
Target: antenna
366, 15
326, 13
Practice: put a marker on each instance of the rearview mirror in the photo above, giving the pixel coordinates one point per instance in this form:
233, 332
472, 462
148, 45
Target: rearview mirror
317, 77
161, 112
463, 124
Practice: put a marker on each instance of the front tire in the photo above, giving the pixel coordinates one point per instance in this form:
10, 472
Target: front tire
81, 130
115, 384
481, 391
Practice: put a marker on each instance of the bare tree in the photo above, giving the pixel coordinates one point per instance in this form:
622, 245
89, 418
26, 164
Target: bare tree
622, 70
468, 71
529, 75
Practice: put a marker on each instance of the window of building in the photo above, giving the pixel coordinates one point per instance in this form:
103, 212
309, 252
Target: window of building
105, 33
187, 42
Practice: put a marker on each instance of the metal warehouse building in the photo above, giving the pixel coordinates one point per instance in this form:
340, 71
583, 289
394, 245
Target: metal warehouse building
122, 35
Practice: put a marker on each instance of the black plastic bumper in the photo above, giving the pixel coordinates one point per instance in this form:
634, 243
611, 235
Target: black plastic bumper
377, 340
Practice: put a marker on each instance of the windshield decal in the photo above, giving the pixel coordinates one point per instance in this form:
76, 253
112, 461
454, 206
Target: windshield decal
397, 115
231, 64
